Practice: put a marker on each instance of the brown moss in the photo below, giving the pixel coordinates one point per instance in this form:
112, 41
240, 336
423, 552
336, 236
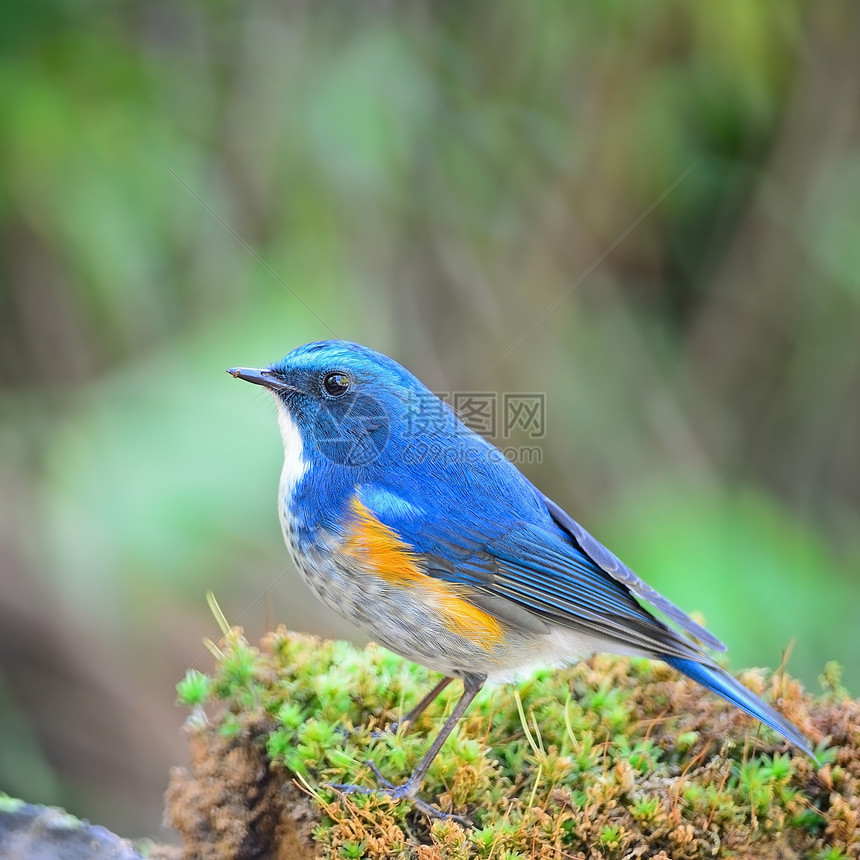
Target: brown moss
230, 804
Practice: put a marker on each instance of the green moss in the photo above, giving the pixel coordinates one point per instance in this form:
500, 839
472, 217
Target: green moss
606, 758
194, 688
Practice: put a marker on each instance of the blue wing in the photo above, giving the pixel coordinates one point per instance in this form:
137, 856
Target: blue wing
611, 564
537, 575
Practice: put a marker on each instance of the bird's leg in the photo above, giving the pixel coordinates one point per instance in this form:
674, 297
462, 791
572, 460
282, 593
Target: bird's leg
416, 712
472, 685
422, 706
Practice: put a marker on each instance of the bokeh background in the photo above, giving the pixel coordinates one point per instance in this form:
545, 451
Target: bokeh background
650, 213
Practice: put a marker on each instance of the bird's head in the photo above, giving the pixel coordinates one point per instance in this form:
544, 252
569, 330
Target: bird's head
346, 402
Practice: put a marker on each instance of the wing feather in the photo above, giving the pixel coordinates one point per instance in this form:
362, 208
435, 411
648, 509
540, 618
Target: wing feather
619, 571
534, 576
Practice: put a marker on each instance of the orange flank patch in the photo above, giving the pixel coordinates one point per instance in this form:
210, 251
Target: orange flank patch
377, 549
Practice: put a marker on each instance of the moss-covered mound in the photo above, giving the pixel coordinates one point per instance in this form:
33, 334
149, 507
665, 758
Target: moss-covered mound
610, 758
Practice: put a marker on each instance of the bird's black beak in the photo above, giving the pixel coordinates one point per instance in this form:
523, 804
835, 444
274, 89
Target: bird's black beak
266, 378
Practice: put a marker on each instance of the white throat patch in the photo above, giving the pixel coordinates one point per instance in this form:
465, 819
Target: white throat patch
295, 464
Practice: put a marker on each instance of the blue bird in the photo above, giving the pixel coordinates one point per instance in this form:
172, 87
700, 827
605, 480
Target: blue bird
422, 533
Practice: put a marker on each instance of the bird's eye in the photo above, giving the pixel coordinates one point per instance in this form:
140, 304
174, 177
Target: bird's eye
336, 383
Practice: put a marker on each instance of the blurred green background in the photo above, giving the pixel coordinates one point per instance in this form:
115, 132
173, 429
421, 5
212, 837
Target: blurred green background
190, 186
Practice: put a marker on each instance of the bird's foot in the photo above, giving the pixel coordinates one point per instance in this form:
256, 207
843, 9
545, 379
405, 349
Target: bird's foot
407, 791
374, 734
390, 729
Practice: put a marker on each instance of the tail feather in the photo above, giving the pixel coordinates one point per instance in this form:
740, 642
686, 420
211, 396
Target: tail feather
723, 684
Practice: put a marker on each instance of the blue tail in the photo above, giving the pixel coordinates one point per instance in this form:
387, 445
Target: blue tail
725, 685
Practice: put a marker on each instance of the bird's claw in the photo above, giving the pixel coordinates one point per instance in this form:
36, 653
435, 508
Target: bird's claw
434, 812
406, 791
389, 785
376, 734
390, 729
